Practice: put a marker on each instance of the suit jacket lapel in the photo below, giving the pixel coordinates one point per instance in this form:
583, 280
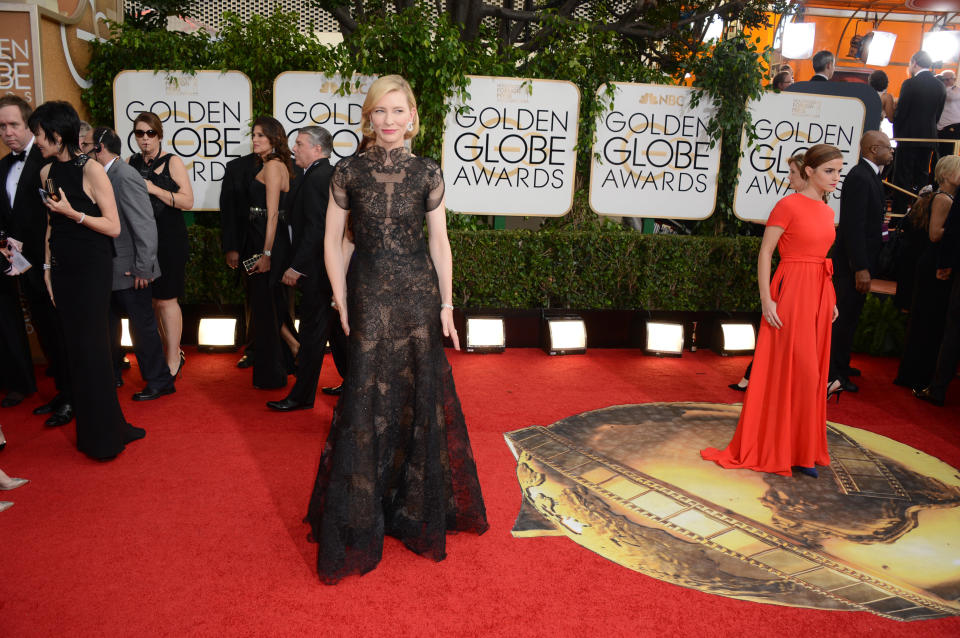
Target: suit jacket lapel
31, 166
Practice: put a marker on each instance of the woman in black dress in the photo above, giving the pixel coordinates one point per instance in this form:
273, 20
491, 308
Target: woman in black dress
170, 194
397, 460
268, 236
78, 270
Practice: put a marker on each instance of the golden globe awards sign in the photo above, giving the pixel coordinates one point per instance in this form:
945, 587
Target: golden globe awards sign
652, 155
787, 124
509, 150
302, 98
206, 121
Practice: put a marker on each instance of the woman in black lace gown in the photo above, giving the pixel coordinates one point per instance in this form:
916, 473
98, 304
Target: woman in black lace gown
170, 194
268, 236
78, 270
397, 460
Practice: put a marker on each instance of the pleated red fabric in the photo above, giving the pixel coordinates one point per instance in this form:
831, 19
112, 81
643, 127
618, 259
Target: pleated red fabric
784, 418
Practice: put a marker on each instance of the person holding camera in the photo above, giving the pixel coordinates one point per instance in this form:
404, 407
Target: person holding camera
170, 194
77, 269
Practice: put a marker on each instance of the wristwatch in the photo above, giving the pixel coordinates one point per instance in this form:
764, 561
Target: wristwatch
267, 253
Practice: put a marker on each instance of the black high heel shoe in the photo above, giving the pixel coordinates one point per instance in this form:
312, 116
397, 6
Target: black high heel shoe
809, 471
4, 444
836, 392
183, 360
737, 387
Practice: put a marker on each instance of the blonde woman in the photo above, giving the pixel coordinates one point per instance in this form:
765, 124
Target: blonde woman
398, 459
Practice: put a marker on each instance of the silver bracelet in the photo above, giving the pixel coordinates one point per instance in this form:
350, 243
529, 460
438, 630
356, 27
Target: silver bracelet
82, 215
446, 305
46, 266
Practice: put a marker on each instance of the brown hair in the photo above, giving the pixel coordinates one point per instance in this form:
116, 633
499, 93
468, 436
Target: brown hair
274, 132
151, 120
820, 154
20, 103
919, 215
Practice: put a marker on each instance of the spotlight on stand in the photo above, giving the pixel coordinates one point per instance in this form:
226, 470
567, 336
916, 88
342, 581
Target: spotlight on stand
217, 333
485, 334
664, 338
565, 335
125, 340
736, 338
877, 47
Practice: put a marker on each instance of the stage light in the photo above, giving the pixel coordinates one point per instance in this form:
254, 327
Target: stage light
217, 332
565, 335
485, 334
798, 40
125, 340
880, 48
664, 338
736, 338
942, 46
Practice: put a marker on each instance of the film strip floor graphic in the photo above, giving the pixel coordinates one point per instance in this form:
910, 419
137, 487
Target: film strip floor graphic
875, 532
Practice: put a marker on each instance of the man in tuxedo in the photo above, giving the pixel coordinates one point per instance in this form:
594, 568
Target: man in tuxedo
824, 64
318, 320
918, 110
855, 251
134, 267
25, 218
234, 210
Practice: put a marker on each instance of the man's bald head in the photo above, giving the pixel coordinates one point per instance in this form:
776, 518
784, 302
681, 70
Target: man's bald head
875, 146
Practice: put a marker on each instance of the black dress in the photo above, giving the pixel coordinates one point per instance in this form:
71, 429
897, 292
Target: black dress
81, 277
269, 297
397, 460
173, 245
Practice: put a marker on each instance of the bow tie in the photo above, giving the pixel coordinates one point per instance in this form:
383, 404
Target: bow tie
19, 157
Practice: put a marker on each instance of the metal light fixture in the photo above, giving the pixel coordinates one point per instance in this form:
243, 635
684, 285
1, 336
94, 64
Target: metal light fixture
664, 338
217, 332
942, 46
565, 335
798, 40
879, 48
485, 334
736, 338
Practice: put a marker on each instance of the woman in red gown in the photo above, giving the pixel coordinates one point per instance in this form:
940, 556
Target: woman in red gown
783, 423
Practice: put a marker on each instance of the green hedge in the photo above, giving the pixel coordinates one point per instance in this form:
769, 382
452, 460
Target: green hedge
583, 270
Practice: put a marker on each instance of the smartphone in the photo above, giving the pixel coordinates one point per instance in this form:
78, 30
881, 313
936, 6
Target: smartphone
44, 195
250, 263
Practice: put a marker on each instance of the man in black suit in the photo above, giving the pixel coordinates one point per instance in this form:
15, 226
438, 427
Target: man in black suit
918, 110
948, 267
25, 218
859, 238
309, 196
134, 267
824, 64
234, 210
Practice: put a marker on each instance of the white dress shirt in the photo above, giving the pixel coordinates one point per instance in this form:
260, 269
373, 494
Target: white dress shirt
13, 177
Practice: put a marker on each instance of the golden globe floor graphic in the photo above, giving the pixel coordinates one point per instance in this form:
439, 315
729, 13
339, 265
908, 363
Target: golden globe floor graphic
878, 531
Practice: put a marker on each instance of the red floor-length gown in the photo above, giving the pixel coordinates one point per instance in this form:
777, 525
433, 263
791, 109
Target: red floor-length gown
784, 418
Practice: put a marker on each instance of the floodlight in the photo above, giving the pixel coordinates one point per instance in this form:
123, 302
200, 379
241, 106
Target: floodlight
217, 332
485, 334
880, 48
125, 340
664, 338
565, 335
798, 40
714, 29
942, 46
736, 338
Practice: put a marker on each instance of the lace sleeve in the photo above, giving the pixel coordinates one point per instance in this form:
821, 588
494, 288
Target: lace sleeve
435, 188
338, 184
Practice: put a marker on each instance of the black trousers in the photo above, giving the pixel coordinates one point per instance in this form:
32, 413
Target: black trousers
950, 345
319, 323
928, 311
951, 132
911, 171
46, 321
849, 305
16, 371
138, 306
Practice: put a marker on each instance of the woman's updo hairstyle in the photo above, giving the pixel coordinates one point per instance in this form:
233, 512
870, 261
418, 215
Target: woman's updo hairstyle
378, 89
819, 154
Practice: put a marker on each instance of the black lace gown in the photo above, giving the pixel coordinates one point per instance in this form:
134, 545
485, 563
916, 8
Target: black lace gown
397, 460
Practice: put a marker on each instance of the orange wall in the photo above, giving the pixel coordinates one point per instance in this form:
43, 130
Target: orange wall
909, 41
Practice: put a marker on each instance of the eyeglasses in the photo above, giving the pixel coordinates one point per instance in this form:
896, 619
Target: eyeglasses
883, 147
149, 133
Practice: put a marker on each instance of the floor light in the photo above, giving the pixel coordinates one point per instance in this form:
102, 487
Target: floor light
485, 334
736, 338
664, 338
217, 332
565, 335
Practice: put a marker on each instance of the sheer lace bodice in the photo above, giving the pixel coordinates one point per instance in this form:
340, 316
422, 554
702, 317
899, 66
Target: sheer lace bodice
398, 459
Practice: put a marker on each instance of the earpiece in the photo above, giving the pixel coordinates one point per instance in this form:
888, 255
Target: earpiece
98, 145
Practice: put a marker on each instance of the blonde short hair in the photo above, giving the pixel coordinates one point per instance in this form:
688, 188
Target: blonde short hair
948, 165
380, 87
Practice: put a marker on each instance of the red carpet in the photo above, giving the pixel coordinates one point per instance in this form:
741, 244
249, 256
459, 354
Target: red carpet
195, 531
